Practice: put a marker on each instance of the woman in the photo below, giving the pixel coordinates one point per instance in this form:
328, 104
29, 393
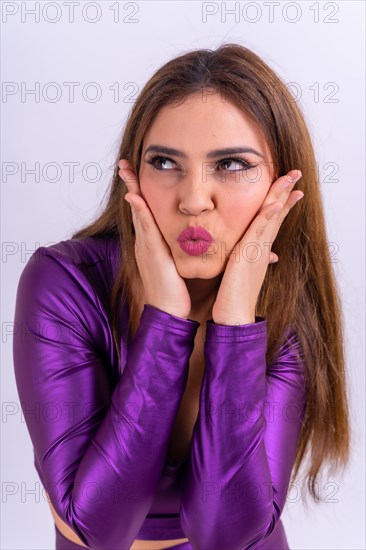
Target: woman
181, 368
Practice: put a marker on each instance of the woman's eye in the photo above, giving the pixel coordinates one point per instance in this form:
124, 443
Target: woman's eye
241, 163
158, 161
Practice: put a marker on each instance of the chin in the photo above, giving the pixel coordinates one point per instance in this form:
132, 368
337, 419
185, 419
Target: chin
195, 267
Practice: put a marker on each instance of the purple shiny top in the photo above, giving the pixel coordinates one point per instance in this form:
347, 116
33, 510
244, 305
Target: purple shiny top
100, 430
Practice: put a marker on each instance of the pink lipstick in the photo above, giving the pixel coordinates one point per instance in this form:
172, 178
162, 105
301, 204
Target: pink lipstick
195, 240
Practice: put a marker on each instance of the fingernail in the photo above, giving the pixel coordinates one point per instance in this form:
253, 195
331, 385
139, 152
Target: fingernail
295, 177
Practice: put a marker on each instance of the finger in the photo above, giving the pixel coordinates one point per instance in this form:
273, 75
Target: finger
280, 213
265, 226
282, 187
129, 177
286, 183
280, 208
143, 220
294, 198
142, 217
273, 258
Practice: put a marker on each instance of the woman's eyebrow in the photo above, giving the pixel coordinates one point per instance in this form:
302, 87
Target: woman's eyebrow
212, 154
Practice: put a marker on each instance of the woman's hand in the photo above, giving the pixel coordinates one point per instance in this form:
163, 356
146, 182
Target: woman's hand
247, 265
164, 287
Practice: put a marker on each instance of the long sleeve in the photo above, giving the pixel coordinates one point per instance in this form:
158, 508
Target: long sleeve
100, 445
245, 438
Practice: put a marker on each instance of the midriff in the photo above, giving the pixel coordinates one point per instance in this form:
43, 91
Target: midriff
155, 544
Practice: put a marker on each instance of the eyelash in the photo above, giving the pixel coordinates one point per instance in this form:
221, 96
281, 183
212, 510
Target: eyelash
247, 166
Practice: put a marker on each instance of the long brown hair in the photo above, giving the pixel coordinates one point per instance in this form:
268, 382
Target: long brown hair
301, 289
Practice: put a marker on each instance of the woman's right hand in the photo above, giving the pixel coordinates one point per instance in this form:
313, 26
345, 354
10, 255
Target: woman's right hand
164, 287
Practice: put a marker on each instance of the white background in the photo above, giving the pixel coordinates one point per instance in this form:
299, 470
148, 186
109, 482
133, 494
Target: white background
317, 46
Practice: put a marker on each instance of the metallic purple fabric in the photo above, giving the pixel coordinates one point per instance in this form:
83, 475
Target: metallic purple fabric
62, 543
100, 430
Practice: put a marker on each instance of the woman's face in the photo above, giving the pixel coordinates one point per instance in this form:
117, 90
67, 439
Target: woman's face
197, 185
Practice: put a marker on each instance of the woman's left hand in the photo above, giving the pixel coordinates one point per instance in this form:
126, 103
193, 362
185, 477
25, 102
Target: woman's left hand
247, 265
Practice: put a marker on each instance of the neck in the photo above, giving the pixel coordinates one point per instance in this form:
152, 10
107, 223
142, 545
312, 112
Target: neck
203, 294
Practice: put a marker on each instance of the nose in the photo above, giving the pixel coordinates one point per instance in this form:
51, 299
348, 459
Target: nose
195, 194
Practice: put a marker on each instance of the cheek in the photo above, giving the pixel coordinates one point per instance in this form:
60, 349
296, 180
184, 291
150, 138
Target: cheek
148, 191
239, 213
151, 186
160, 209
